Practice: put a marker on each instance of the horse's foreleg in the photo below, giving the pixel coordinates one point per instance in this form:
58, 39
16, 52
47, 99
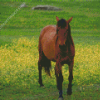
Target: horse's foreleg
59, 79
70, 78
40, 74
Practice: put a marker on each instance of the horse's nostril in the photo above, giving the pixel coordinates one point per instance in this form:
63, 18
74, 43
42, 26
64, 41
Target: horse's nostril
62, 46
66, 42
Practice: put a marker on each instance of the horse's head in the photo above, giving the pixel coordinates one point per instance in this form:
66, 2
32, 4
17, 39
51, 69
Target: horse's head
63, 30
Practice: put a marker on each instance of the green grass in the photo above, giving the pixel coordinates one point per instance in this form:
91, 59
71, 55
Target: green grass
19, 72
19, 50
85, 15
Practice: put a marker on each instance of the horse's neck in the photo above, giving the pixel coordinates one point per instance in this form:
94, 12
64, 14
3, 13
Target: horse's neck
69, 44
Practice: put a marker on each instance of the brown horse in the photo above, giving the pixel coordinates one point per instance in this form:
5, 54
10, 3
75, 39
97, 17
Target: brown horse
56, 44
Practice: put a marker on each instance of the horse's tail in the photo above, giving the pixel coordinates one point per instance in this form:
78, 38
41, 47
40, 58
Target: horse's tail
47, 67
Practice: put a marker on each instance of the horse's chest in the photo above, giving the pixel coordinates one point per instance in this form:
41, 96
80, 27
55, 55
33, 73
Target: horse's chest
66, 55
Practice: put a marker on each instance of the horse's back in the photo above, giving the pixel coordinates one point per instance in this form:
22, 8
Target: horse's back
48, 30
47, 40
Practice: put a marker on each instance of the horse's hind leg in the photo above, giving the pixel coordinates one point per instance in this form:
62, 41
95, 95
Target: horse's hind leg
40, 72
43, 62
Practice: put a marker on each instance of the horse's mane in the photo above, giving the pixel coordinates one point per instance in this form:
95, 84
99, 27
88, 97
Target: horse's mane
61, 23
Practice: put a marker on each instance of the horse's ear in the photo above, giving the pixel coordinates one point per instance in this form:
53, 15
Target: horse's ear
70, 20
57, 18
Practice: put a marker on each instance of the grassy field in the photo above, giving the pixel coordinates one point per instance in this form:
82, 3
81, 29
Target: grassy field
19, 50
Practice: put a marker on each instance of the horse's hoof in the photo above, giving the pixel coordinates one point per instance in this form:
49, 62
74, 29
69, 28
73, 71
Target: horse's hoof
60, 98
69, 91
41, 85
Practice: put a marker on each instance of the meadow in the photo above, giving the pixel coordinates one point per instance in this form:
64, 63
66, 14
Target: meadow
19, 50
